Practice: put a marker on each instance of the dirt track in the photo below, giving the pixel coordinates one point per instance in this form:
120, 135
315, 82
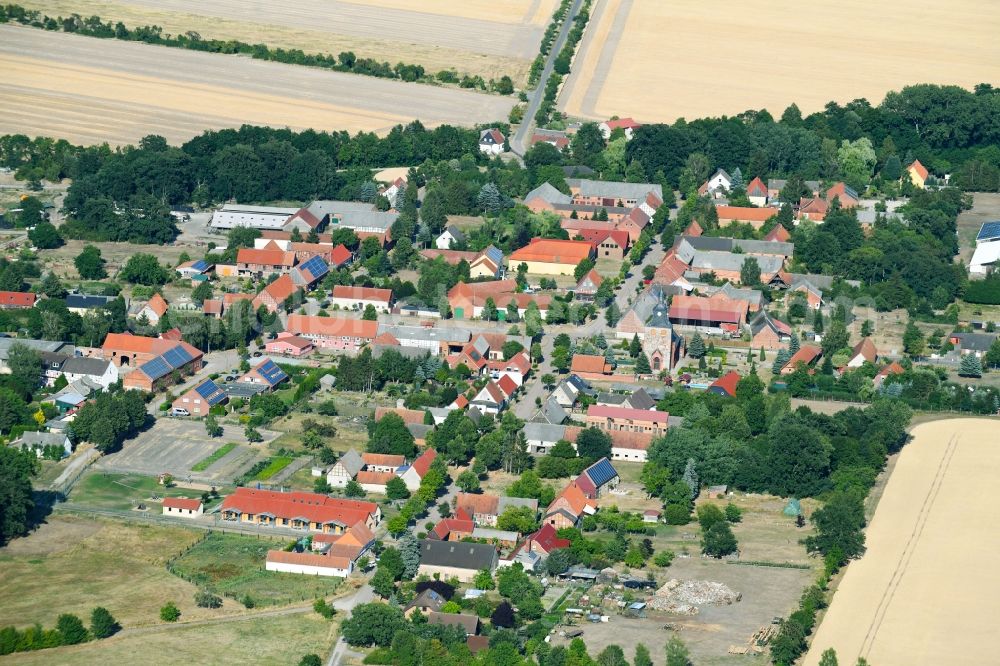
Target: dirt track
474, 36
128, 90
659, 61
928, 589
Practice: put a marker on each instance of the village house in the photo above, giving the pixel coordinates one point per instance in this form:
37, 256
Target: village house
266, 374
298, 510
251, 262
492, 141
605, 417
973, 343
893, 368
81, 304
598, 480
393, 190
768, 332
340, 257
544, 541
194, 270
333, 332
845, 194
646, 196
98, 371
718, 185
274, 295
459, 560
425, 602
38, 442
456, 528
986, 258
155, 360
451, 235
756, 217
608, 244
757, 192
588, 285
484, 509
708, 314
775, 185
590, 367
806, 356
16, 300
289, 345
634, 399
627, 125
182, 507
374, 482
567, 509
568, 391
467, 300
358, 298
414, 473
725, 385
551, 137
467, 623
199, 400
154, 309
864, 351
547, 256
494, 396
345, 469
918, 174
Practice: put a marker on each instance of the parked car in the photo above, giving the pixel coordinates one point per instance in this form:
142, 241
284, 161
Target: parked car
634, 584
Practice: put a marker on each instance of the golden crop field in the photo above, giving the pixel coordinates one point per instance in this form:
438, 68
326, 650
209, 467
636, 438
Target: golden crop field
661, 60
927, 591
89, 90
474, 36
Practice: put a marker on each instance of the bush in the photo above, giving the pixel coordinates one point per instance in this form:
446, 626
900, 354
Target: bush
248, 601
103, 623
734, 514
170, 612
324, 609
71, 629
664, 558
676, 514
204, 599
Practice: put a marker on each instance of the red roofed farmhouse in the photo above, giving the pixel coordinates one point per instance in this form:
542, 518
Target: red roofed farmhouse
414, 474
304, 511
333, 332
546, 256
357, 298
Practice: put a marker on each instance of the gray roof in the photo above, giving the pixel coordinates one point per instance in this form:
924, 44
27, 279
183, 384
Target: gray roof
641, 400
715, 244
646, 301
762, 319
37, 345
488, 533
323, 208
458, 554
369, 218
507, 502
659, 318
976, 341
580, 384
752, 296
426, 599
553, 412
613, 399
548, 193
779, 183
351, 462
419, 430
41, 439
86, 365
469, 623
455, 232
819, 280
543, 432
729, 261
604, 188
453, 335
86, 301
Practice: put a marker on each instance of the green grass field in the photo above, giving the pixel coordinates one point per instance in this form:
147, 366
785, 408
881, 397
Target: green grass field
279, 640
208, 461
277, 464
233, 565
122, 491
72, 564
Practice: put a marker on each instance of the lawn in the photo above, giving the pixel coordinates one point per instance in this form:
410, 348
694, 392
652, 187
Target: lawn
255, 640
277, 464
207, 462
72, 564
107, 490
232, 565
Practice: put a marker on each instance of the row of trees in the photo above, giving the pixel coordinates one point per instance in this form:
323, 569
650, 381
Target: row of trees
69, 630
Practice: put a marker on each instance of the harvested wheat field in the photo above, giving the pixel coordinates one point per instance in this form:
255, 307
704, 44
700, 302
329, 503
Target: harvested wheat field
474, 36
659, 61
91, 90
928, 589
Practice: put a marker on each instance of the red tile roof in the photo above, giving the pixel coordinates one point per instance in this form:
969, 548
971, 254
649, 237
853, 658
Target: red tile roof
279, 290
339, 255
699, 308
423, 463
867, 349
694, 229
624, 123
779, 234
553, 251
181, 503
331, 327
157, 305
587, 363
919, 168
212, 307
409, 416
893, 368
362, 293
383, 459
548, 541
308, 559
757, 188
507, 385
249, 255
744, 213
727, 383
230, 299
16, 299
310, 506
375, 478
598, 236
806, 354
471, 504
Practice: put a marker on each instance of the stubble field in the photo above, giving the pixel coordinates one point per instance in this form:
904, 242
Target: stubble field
928, 589
659, 61
89, 90
474, 36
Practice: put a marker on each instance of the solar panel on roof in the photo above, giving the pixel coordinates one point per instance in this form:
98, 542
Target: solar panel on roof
206, 389
601, 472
155, 368
316, 267
494, 254
177, 356
271, 373
200, 265
990, 231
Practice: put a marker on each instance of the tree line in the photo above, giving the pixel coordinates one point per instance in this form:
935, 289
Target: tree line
346, 61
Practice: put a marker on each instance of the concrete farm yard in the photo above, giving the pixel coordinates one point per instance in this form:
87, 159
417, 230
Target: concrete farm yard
475, 37
684, 59
106, 90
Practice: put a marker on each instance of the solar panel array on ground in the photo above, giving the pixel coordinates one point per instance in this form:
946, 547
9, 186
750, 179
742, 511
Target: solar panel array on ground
210, 392
271, 373
989, 231
601, 472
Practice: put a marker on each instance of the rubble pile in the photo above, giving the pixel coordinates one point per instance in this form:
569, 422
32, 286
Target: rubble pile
684, 597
